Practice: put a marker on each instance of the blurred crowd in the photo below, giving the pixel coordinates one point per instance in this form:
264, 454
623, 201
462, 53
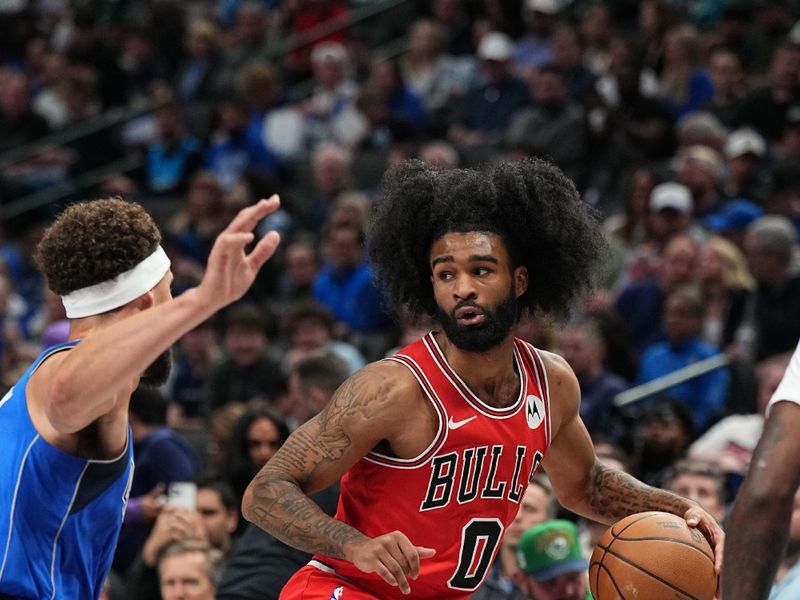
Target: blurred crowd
678, 121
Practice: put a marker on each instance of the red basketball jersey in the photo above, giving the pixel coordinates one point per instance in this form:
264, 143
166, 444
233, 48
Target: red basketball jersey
461, 493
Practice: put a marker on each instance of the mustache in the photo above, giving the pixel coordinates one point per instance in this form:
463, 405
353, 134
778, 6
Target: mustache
467, 303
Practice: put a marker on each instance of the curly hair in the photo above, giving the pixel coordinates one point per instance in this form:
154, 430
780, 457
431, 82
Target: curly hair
531, 205
91, 242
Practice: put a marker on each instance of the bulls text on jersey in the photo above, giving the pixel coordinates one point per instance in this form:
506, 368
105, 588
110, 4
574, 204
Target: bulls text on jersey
472, 474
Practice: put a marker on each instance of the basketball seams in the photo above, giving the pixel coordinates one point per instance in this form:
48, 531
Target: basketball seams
610, 577
651, 574
667, 539
606, 547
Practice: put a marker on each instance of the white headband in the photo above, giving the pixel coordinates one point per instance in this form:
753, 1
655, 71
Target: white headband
111, 294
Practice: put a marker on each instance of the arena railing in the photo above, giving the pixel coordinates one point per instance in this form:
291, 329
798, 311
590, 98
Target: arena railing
119, 116
665, 382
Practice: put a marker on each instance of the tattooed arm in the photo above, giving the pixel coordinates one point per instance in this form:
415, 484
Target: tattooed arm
585, 486
758, 528
372, 406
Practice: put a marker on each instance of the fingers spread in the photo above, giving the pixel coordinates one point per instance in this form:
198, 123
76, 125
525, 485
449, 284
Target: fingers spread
249, 217
264, 250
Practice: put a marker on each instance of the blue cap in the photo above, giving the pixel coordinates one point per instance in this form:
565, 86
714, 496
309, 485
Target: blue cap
735, 215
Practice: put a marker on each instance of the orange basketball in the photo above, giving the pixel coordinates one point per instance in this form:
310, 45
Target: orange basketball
652, 556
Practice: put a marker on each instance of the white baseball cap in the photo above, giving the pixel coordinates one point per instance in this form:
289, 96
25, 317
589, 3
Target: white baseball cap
495, 46
671, 195
745, 141
548, 7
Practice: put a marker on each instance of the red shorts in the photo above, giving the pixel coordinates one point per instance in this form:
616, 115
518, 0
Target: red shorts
310, 583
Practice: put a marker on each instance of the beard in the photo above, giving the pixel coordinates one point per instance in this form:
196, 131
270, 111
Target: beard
157, 373
496, 325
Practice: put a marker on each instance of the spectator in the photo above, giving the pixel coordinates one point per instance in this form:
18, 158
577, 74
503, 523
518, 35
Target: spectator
246, 371
189, 565
640, 304
18, 123
256, 436
440, 155
582, 346
730, 443
553, 127
671, 211
661, 436
686, 86
310, 327
197, 352
766, 107
194, 228
745, 152
237, 151
162, 457
330, 111
214, 520
175, 155
331, 174
565, 47
489, 105
301, 263
702, 170
346, 284
197, 78
312, 381
728, 79
259, 564
533, 49
307, 17
402, 103
733, 219
595, 32
641, 124
705, 395
280, 128
551, 564
725, 285
773, 312
702, 482
436, 77
248, 39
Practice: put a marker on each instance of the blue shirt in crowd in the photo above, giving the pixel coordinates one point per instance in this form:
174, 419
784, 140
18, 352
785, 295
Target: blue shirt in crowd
705, 395
352, 296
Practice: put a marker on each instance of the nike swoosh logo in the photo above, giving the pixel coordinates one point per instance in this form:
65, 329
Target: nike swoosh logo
456, 424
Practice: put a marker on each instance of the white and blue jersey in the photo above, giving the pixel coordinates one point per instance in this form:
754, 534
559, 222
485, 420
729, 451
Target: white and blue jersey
60, 515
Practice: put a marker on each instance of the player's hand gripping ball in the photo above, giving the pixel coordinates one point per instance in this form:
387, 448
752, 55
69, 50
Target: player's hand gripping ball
652, 556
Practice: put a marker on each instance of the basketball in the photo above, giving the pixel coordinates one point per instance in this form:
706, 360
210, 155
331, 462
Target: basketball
652, 555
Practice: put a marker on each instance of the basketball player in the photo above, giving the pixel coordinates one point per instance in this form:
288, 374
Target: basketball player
435, 445
66, 462
759, 522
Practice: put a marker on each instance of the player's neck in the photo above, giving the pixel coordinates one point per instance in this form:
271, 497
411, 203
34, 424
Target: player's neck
482, 371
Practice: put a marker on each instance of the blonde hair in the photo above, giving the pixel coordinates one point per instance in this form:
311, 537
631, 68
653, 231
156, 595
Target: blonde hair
675, 78
735, 273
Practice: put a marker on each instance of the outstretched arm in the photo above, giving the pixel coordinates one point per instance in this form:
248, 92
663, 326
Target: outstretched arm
586, 486
82, 385
758, 528
364, 411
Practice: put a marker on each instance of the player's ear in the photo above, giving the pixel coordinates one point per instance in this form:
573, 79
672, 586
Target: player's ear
520, 280
143, 302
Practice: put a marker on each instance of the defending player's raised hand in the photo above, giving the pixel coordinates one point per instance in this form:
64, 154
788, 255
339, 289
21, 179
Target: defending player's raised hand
230, 272
392, 556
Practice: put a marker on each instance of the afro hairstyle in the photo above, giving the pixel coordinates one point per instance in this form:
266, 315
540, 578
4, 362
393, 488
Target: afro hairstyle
534, 208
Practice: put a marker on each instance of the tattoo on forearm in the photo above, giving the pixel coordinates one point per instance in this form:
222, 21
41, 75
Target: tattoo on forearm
616, 494
280, 506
